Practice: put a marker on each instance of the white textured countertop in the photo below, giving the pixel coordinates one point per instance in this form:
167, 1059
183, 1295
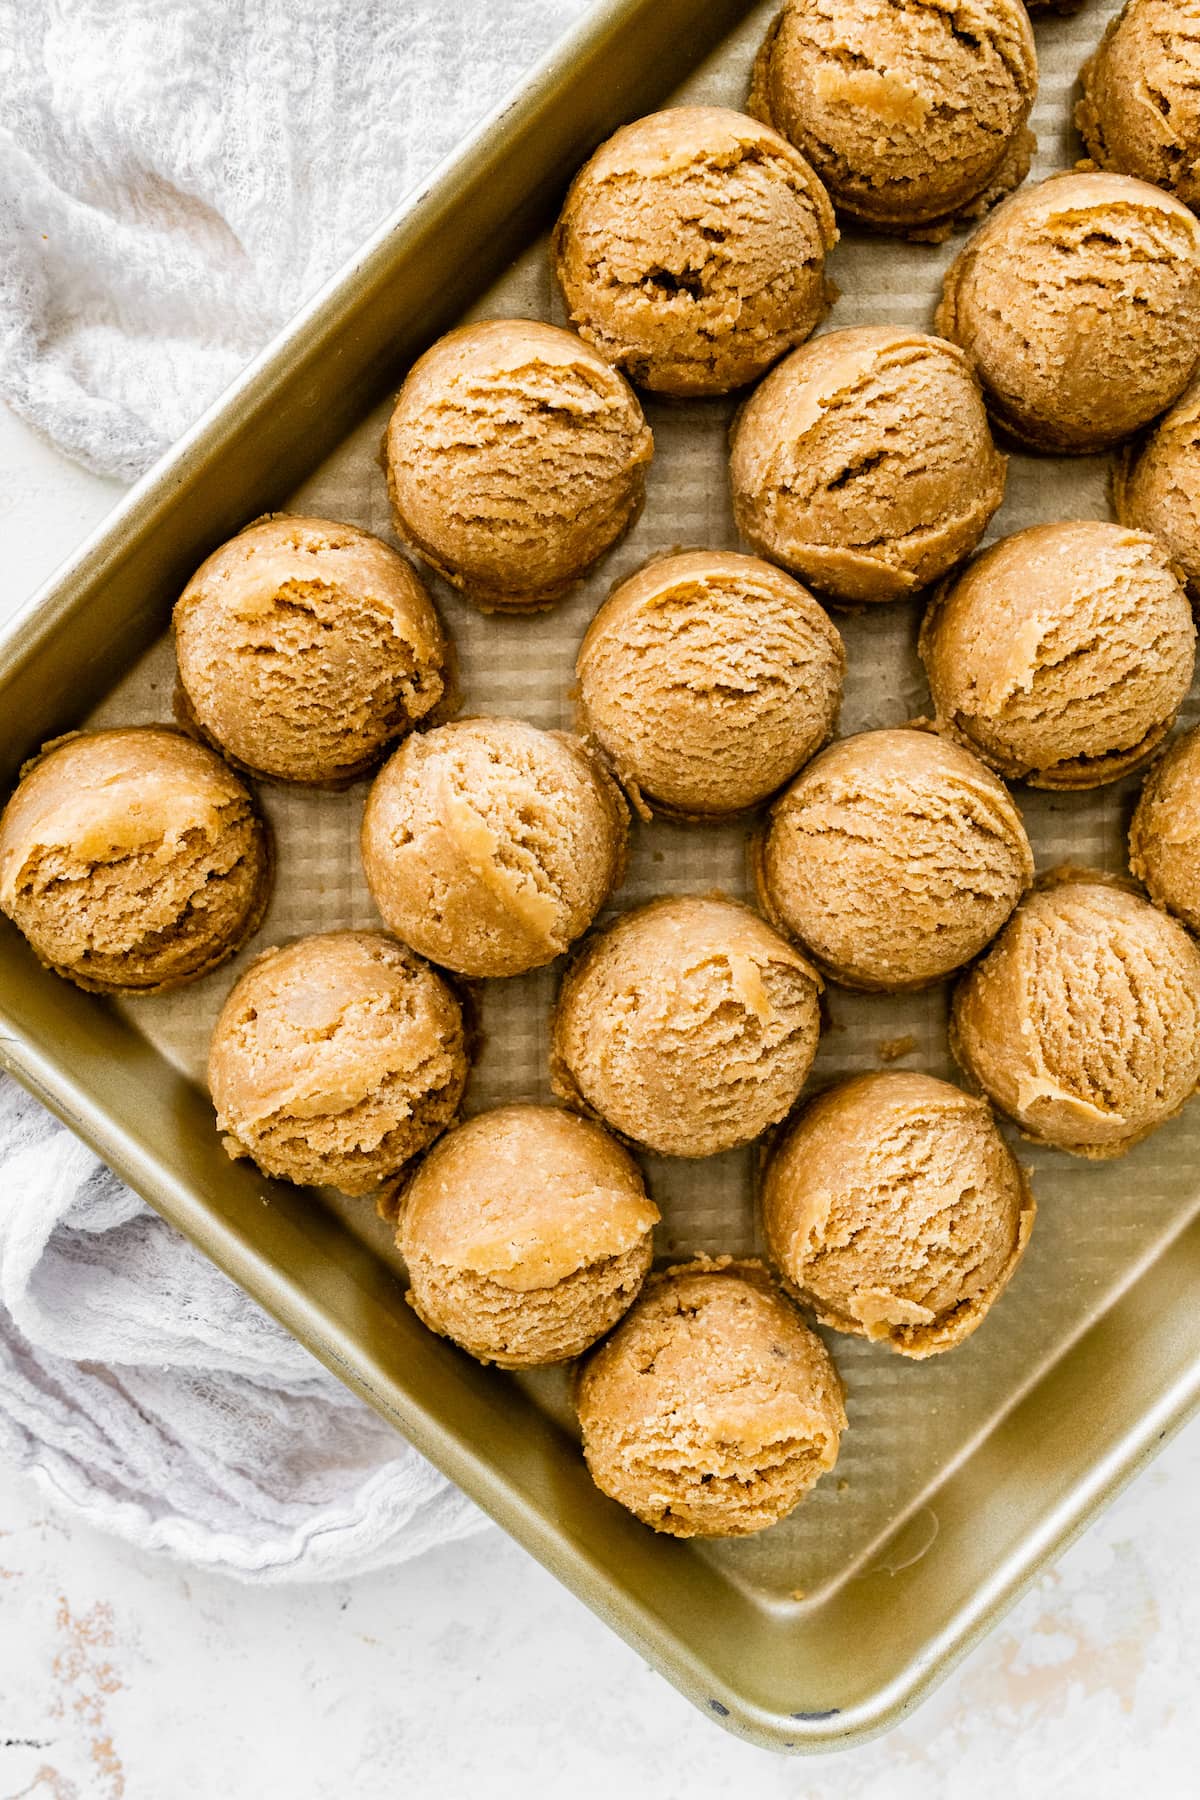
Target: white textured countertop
472, 1673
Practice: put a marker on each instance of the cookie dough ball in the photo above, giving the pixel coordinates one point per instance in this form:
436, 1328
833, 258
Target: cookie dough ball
691, 250
895, 1210
893, 859
1164, 839
1079, 304
707, 679
515, 457
1083, 1021
865, 463
1063, 654
490, 846
132, 860
527, 1233
1140, 112
1156, 486
712, 1409
689, 1025
914, 116
305, 648
336, 1059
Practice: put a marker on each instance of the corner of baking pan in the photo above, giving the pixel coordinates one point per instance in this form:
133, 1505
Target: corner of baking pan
845, 1728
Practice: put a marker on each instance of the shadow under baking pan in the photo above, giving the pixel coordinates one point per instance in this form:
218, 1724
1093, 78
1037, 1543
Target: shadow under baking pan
958, 1477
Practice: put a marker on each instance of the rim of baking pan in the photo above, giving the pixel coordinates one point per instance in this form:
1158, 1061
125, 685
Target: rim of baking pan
559, 108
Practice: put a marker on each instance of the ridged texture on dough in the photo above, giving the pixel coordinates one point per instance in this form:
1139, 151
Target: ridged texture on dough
133, 860
515, 457
865, 463
1063, 654
1140, 112
527, 1233
894, 858
1156, 486
914, 115
490, 845
691, 250
305, 647
1164, 838
1079, 304
895, 1210
336, 1059
707, 679
712, 1409
1083, 1021
688, 1025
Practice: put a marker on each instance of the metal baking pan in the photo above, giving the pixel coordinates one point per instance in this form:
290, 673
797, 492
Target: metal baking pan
960, 1478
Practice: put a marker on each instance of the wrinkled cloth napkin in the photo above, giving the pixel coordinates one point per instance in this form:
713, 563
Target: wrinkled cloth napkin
176, 177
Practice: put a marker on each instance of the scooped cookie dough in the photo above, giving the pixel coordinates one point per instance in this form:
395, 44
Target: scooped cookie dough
914, 116
1079, 304
132, 860
1082, 1023
893, 859
306, 647
1140, 112
490, 846
1156, 486
515, 458
688, 1025
865, 464
527, 1233
707, 679
1063, 654
1164, 838
336, 1059
712, 1409
895, 1210
691, 250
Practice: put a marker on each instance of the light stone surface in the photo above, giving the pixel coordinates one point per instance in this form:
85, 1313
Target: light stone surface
472, 1672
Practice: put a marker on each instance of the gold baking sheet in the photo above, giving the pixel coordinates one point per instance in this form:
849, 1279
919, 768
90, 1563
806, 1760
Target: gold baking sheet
951, 1468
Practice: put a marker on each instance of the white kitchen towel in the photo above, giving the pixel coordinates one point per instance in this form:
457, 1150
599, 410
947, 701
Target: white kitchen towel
176, 177
151, 1397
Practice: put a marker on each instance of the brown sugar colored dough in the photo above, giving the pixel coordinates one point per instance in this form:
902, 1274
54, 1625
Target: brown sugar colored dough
305, 647
1140, 112
895, 1210
1063, 654
336, 1059
691, 250
515, 458
712, 1409
1164, 838
132, 860
688, 1025
490, 846
1082, 1023
1079, 304
527, 1233
893, 858
865, 464
1156, 485
914, 116
707, 679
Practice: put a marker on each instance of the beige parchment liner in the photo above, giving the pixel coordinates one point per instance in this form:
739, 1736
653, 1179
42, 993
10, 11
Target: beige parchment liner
1097, 1223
